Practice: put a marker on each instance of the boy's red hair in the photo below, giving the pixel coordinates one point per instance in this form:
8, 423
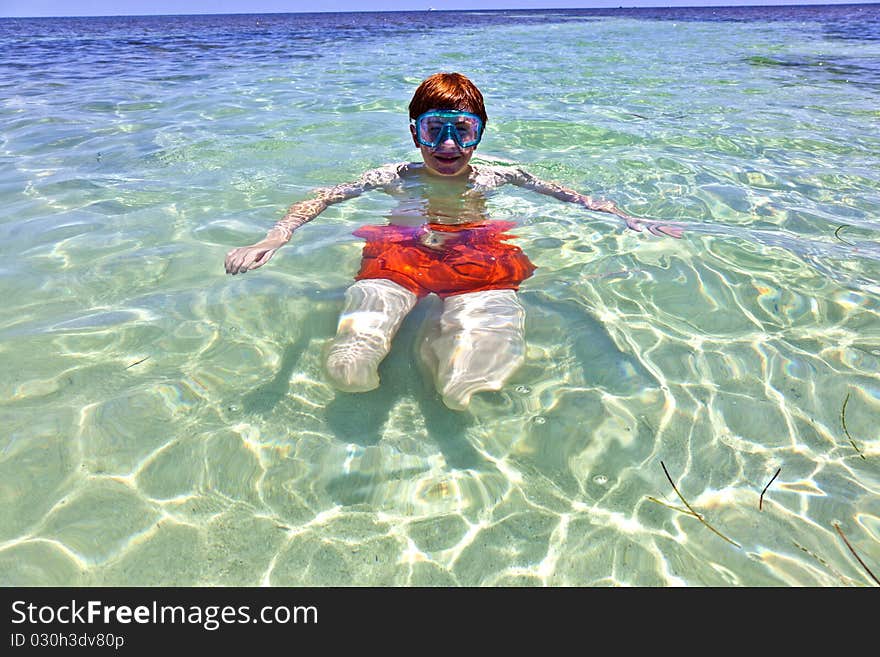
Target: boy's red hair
450, 91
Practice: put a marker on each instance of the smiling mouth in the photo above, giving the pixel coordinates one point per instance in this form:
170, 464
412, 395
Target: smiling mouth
450, 157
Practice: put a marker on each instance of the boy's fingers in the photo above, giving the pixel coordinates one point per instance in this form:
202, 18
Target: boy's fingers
232, 266
661, 230
232, 262
236, 263
634, 224
239, 262
671, 231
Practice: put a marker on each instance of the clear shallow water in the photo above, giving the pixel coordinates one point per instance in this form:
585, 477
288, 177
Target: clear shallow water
163, 423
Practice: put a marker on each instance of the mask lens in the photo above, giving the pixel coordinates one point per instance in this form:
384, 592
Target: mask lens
436, 127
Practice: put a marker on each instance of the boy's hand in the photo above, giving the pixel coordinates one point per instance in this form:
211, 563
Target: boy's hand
654, 227
634, 223
240, 260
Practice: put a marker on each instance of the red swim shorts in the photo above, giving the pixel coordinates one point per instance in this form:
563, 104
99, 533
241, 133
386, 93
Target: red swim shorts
444, 259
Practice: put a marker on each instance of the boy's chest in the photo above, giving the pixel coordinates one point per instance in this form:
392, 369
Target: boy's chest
419, 201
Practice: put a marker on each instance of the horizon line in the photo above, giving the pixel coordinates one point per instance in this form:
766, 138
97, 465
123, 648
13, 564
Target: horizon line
771, 3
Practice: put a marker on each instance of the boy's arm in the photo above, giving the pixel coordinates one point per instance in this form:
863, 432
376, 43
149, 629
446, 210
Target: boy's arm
524, 179
240, 260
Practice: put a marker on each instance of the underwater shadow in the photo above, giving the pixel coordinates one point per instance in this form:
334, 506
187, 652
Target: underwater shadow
263, 399
602, 362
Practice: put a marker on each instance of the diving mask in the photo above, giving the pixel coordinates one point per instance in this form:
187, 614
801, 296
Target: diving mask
435, 127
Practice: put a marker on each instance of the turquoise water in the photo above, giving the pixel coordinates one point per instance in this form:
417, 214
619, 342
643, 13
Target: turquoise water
166, 424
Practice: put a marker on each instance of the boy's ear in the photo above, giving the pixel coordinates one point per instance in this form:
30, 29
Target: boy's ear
412, 132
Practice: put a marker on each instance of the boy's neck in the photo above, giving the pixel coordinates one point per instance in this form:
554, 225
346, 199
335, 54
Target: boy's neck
464, 174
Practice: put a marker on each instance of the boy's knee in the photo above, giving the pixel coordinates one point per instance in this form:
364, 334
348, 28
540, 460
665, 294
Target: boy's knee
380, 295
489, 309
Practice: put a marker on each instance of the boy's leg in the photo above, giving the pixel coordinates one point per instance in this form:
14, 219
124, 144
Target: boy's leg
374, 310
480, 344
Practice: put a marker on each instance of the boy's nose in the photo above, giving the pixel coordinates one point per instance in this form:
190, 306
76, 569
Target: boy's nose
447, 137
447, 141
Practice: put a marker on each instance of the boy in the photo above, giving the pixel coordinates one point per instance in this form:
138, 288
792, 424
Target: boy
439, 240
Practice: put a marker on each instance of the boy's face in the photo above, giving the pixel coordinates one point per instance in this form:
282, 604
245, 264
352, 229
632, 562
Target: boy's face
447, 159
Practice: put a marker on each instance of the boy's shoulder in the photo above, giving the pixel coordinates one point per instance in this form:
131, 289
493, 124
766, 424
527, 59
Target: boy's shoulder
385, 174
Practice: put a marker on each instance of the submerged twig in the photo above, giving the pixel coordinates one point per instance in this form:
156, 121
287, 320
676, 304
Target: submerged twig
839, 228
665, 116
845, 430
761, 499
690, 508
137, 362
843, 578
839, 531
674, 508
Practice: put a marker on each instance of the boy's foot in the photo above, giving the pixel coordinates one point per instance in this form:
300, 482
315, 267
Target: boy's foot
350, 373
